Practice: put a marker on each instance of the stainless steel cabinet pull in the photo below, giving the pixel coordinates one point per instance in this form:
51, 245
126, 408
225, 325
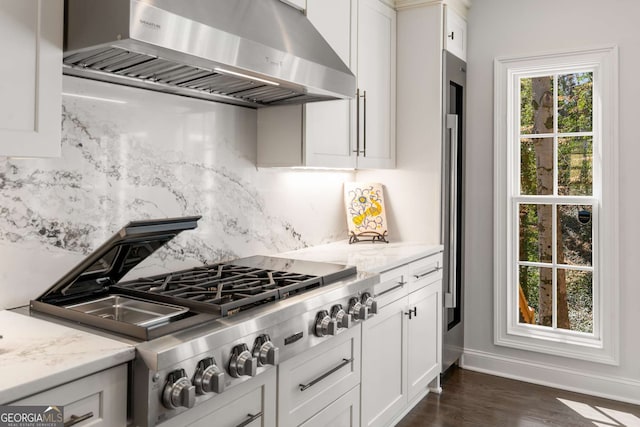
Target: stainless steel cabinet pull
386, 291
357, 150
75, 419
249, 420
412, 313
420, 276
342, 364
364, 125
450, 292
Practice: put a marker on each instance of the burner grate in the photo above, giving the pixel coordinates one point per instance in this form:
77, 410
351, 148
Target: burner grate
223, 289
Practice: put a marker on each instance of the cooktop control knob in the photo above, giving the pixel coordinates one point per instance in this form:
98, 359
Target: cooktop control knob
341, 317
265, 351
357, 310
371, 303
209, 378
242, 362
325, 325
178, 391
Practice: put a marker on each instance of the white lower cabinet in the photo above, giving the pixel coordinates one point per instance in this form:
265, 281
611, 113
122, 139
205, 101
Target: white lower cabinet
423, 328
249, 404
96, 400
311, 383
401, 345
384, 370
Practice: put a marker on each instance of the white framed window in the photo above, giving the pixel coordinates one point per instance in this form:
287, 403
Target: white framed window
555, 188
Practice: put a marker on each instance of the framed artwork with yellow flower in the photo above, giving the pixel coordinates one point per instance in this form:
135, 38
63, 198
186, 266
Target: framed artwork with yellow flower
366, 214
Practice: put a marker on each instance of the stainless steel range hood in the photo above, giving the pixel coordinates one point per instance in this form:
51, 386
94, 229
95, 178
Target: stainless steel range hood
243, 52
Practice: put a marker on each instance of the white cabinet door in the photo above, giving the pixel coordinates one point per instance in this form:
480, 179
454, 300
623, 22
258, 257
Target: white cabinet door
317, 134
423, 330
384, 350
329, 126
376, 141
455, 37
30, 77
358, 133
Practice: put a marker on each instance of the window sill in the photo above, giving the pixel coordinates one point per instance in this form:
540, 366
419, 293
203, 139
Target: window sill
592, 350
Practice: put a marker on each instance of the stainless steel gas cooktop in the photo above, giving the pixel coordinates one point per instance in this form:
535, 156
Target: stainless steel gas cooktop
149, 307
206, 329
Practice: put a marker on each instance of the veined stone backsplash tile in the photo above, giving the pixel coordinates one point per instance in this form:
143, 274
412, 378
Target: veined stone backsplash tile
153, 156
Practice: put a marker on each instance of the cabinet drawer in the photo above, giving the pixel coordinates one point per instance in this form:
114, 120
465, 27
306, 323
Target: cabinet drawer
249, 404
245, 411
101, 398
392, 286
344, 412
424, 271
311, 381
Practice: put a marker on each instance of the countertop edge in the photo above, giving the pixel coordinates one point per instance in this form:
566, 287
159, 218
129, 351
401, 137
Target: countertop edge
423, 254
367, 257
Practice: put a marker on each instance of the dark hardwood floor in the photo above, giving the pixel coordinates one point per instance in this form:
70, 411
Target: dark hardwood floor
474, 399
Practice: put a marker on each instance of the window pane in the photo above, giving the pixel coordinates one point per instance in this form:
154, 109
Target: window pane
535, 302
575, 166
535, 233
536, 166
526, 107
575, 102
536, 105
575, 300
575, 235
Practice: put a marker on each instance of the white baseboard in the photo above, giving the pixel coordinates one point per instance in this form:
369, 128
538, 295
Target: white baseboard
621, 389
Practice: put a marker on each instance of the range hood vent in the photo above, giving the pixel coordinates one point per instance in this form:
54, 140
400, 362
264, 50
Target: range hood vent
244, 52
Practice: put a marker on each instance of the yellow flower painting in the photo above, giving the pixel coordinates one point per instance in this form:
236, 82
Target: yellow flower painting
366, 215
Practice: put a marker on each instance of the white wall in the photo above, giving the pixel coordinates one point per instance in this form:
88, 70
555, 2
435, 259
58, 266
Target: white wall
508, 27
154, 156
412, 190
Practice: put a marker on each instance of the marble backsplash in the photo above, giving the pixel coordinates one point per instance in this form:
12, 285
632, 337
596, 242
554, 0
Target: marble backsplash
133, 154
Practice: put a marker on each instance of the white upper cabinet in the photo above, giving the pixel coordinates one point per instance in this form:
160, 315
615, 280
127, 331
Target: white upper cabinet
376, 127
357, 133
30, 77
330, 126
455, 37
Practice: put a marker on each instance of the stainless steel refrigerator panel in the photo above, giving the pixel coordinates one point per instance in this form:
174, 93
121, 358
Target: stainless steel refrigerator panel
453, 208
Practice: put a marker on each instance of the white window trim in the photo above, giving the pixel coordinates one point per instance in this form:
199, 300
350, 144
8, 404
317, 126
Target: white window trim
603, 347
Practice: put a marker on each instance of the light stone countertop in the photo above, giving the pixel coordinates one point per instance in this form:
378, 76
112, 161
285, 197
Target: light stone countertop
36, 355
366, 256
